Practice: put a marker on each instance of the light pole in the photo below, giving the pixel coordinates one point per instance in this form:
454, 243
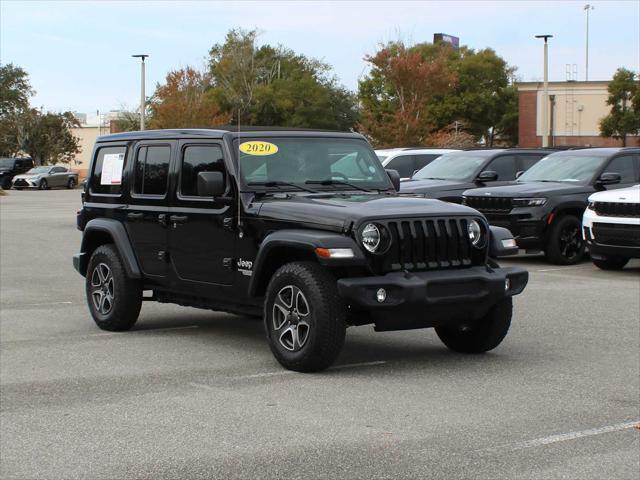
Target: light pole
587, 7
142, 96
545, 96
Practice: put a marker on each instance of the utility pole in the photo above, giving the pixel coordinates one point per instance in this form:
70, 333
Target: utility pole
587, 7
142, 95
545, 96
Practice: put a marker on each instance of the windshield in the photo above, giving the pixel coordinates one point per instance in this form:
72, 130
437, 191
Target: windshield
303, 161
6, 162
462, 166
38, 170
574, 167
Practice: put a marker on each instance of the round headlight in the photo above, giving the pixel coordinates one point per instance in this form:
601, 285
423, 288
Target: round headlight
371, 237
475, 232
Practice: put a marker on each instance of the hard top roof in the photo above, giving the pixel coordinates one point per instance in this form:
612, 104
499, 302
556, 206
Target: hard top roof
218, 133
600, 152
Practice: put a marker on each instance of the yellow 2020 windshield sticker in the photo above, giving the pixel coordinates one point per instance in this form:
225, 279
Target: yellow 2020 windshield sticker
258, 147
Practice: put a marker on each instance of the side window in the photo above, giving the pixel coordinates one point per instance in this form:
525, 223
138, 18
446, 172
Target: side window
624, 166
504, 166
151, 170
196, 159
528, 161
404, 164
58, 170
109, 181
423, 160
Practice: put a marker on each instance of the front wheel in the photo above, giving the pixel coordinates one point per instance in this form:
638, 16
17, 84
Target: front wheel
482, 335
610, 263
565, 245
114, 299
305, 319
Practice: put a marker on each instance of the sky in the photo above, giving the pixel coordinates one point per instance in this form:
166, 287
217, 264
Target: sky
78, 53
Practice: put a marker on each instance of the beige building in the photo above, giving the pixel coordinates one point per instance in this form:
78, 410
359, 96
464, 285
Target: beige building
575, 111
87, 135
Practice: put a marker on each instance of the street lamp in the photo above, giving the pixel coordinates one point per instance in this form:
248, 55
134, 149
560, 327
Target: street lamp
545, 96
587, 8
142, 96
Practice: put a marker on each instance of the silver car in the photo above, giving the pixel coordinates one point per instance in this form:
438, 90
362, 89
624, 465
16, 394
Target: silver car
45, 177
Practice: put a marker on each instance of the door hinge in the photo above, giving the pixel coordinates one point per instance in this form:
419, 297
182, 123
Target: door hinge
228, 223
228, 263
163, 256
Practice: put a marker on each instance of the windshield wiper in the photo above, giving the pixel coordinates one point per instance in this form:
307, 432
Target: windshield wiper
279, 184
330, 181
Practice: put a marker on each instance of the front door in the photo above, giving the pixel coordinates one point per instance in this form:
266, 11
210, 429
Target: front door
146, 217
201, 237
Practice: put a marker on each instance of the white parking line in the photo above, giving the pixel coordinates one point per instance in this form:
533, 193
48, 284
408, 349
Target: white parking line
39, 304
290, 372
148, 330
562, 437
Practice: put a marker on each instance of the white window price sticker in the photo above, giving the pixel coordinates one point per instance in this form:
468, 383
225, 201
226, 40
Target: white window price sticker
112, 165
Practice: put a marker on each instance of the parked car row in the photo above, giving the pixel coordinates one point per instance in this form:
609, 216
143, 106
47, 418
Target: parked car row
19, 173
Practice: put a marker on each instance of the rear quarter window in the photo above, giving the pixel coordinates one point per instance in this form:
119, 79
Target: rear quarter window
107, 181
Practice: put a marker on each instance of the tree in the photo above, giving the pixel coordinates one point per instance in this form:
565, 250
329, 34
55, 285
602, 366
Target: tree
15, 91
270, 85
186, 101
624, 99
396, 96
47, 137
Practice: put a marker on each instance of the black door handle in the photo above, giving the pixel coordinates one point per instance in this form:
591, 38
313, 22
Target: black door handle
178, 218
135, 216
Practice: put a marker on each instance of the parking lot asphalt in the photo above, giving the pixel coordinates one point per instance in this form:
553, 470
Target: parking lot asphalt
197, 394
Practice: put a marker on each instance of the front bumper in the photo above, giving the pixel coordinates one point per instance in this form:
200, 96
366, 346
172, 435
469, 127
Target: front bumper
424, 299
611, 236
528, 225
25, 183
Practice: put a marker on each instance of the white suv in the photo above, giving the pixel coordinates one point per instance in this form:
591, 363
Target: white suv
611, 227
407, 160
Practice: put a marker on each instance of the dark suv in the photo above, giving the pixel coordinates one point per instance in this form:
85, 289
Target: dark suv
448, 176
10, 167
303, 228
544, 207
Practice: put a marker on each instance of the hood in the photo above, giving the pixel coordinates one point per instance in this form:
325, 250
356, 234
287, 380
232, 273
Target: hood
531, 189
25, 176
337, 211
619, 195
427, 186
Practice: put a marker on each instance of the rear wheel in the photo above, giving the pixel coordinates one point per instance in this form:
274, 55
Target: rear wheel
565, 245
304, 317
610, 263
482, 335
114, 299
43, 185
71, 184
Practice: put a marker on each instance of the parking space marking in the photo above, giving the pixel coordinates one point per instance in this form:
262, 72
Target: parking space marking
46, 304
290, 372
564, 268
562, 437
138, 331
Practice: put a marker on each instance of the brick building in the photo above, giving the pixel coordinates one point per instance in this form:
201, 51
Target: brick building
575, 110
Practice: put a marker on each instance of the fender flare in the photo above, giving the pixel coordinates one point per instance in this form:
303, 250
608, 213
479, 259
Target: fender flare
118, 234
305, 240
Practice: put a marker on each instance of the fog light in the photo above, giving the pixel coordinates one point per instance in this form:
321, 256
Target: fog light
381, 295
507, 285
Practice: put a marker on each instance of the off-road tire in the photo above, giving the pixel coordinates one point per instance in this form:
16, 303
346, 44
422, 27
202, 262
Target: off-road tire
43, 185
482, 335
326, 318
611, 263
127, 292
555, 251
71, 184
6, 184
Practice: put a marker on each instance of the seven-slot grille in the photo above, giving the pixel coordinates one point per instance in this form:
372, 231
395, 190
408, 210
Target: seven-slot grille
422, 244
21, 183
617, 234
617, 209
490, 204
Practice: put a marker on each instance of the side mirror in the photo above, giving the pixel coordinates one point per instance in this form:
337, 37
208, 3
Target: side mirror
487, 176
414, 172
210, 184
609, 178
519, 172
394, 176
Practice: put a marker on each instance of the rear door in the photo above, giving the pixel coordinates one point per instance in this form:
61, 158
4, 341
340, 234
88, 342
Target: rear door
201, 237
147, 214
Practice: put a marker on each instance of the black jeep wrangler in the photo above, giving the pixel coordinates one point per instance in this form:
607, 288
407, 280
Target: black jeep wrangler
303, 228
